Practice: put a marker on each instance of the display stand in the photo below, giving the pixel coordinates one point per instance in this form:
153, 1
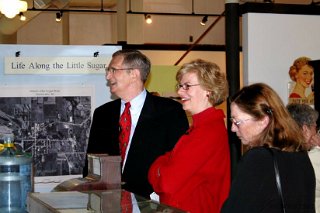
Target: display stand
91, 201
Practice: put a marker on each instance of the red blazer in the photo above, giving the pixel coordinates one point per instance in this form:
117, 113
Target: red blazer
195, 175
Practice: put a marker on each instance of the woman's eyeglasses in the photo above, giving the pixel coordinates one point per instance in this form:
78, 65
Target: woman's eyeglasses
186, 86
239, 122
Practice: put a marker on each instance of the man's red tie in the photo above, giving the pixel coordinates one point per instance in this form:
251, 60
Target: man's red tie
124, 136
125, 127
126, 202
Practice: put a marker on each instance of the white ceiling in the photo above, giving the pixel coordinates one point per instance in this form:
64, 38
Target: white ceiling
10, 26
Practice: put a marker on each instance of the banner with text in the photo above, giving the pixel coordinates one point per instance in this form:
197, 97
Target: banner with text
56, 65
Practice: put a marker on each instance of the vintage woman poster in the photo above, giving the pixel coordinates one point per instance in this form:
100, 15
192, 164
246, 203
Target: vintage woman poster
301, 87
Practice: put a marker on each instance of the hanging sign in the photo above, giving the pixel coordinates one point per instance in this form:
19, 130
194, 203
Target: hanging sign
55, 65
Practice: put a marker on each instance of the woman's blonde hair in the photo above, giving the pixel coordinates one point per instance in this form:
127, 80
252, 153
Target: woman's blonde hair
210, 78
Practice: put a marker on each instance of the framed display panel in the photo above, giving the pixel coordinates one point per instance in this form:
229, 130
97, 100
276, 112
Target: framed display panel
47, 96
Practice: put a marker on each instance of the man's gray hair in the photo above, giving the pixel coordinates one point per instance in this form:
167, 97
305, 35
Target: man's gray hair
303, 114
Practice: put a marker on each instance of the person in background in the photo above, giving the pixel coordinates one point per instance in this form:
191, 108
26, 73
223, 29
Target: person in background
156, 122
195, 175
262, 122
306, 117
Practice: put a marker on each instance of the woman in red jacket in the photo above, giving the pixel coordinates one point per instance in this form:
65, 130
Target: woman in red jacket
195, 175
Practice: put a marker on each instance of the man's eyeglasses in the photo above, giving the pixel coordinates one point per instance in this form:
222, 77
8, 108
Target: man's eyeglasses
186, 86
239, 122
113, 70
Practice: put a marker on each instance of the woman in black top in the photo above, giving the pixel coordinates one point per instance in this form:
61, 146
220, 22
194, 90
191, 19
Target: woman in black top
261, 121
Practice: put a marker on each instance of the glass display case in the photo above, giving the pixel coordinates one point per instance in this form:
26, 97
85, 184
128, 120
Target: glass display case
103, 201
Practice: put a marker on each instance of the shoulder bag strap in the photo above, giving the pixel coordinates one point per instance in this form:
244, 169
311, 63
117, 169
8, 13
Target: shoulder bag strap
278, 182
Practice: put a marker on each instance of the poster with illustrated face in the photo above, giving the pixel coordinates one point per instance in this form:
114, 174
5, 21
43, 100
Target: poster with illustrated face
301, 88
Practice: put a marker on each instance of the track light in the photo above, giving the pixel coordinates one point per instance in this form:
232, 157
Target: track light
204, 20
148, 19
22, 17
58, 16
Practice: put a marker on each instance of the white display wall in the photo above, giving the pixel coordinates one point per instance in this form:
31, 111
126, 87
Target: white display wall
271, 42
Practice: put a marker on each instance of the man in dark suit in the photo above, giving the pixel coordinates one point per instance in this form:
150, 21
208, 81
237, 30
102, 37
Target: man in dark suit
157, 122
